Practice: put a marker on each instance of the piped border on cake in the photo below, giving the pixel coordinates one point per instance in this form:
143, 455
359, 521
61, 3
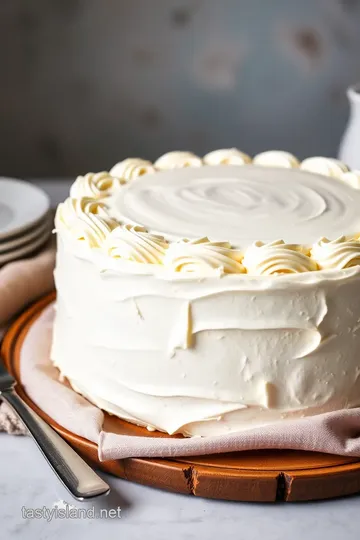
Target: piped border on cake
87, 216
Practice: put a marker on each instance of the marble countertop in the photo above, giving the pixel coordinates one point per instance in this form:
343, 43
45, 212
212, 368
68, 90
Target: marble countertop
27, 484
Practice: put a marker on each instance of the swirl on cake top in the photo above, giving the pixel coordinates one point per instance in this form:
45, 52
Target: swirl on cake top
326, 166
135, 243
276, 158
86, 220
177, 160
204, 216
277, 258
95, 185
203, 257
227, 156
131, 168
340, 253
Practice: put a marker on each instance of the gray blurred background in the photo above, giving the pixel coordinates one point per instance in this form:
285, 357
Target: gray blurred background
85, 83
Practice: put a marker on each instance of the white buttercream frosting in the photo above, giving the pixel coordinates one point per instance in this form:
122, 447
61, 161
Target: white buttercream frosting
94, 185
352, 178
131, 168
177, 160
203, 257
325, 166
208, 356
276, 158
340, 253
85, 219
240, 205
135, 243
277, 258
226, 156
187, 342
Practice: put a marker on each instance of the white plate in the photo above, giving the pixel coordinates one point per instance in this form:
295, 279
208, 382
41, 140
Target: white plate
24, 250
22, 205
32, 235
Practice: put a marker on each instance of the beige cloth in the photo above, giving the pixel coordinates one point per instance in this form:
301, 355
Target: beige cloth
334, 433
22, 282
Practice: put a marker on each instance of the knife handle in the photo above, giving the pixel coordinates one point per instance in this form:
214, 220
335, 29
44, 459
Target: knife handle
76, 475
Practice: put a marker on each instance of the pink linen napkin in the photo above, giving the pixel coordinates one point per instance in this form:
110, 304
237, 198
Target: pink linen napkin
22, 282
333, 433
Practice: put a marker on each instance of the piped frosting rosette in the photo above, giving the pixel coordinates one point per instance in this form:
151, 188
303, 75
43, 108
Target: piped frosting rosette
325, 166
86, 220
203, 257
352, 178
340, 253
276, 158
85, 216
95, 185
177, 160
131, 168
277, 258
227, 156
135, 243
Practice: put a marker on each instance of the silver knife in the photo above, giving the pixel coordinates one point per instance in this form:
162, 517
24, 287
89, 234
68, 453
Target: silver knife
76, 475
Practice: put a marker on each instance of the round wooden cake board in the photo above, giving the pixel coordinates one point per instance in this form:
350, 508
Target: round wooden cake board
264, 476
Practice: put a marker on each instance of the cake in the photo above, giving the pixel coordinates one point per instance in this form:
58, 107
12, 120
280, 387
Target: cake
210, 295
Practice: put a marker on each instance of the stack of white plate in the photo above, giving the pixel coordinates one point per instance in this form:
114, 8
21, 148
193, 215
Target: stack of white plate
25, 219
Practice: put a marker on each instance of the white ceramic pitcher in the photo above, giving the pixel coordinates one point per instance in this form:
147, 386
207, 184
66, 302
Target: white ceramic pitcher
349, 151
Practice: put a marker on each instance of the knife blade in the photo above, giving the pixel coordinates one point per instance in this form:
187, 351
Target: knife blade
75, 474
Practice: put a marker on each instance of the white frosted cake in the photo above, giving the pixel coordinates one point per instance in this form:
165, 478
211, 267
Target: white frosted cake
209, 295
